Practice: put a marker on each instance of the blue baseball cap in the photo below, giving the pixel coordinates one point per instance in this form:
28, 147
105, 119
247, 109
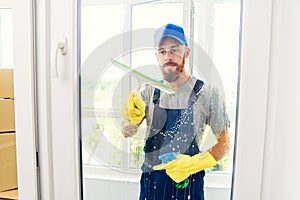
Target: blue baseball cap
170, 30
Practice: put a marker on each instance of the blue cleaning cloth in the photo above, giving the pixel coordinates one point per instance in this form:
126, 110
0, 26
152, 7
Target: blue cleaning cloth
168, 157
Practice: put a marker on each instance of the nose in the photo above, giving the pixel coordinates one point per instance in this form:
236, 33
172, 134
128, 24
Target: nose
168, 56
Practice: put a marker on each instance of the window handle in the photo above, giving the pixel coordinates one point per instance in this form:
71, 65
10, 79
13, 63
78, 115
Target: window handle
61, 48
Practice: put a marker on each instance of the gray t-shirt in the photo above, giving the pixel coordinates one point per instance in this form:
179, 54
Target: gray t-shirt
209, 108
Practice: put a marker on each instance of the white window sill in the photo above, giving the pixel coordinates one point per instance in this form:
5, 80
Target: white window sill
106, 173
212, 180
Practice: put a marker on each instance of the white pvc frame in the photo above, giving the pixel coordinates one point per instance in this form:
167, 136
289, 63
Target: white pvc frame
253, 96
24, 88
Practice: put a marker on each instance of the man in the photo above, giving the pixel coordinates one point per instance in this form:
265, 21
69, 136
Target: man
174, 164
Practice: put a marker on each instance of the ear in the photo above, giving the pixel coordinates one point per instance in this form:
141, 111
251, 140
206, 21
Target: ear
156, 55
187, 52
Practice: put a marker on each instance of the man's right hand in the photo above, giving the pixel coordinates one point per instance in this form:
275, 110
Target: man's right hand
133, 110
129, 130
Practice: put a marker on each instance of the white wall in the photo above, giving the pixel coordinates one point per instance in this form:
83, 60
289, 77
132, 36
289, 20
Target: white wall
281, 174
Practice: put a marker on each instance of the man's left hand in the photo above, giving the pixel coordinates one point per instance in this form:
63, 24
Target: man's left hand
184, 165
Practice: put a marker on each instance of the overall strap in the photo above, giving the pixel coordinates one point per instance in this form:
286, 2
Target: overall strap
196, 92
194, 95
156, 95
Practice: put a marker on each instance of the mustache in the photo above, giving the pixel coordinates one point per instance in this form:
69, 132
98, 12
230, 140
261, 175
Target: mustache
170, 63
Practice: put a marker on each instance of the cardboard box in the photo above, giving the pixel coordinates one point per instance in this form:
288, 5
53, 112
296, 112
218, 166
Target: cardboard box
6, 83
9, 195
7, 115
8, 162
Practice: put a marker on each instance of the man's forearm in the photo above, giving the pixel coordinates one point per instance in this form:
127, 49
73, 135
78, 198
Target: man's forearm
221, 148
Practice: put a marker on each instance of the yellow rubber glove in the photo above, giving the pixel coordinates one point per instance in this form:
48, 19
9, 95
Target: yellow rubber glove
133, 110
184, 165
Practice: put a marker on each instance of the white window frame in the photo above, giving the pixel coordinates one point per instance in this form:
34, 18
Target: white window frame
24, 89
41, 137
252, 112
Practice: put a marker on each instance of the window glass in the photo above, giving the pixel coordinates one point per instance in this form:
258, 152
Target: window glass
96, 93
212, 27
217, 34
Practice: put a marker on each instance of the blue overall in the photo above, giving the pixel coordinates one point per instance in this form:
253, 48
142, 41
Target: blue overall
175, 134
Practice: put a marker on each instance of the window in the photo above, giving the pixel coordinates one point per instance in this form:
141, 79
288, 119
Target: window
213, 31
100, 131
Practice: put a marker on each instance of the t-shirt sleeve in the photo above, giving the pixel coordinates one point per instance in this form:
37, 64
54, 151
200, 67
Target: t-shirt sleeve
145, 92
218, 118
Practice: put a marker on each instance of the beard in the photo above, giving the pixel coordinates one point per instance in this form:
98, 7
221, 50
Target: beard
171, 75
